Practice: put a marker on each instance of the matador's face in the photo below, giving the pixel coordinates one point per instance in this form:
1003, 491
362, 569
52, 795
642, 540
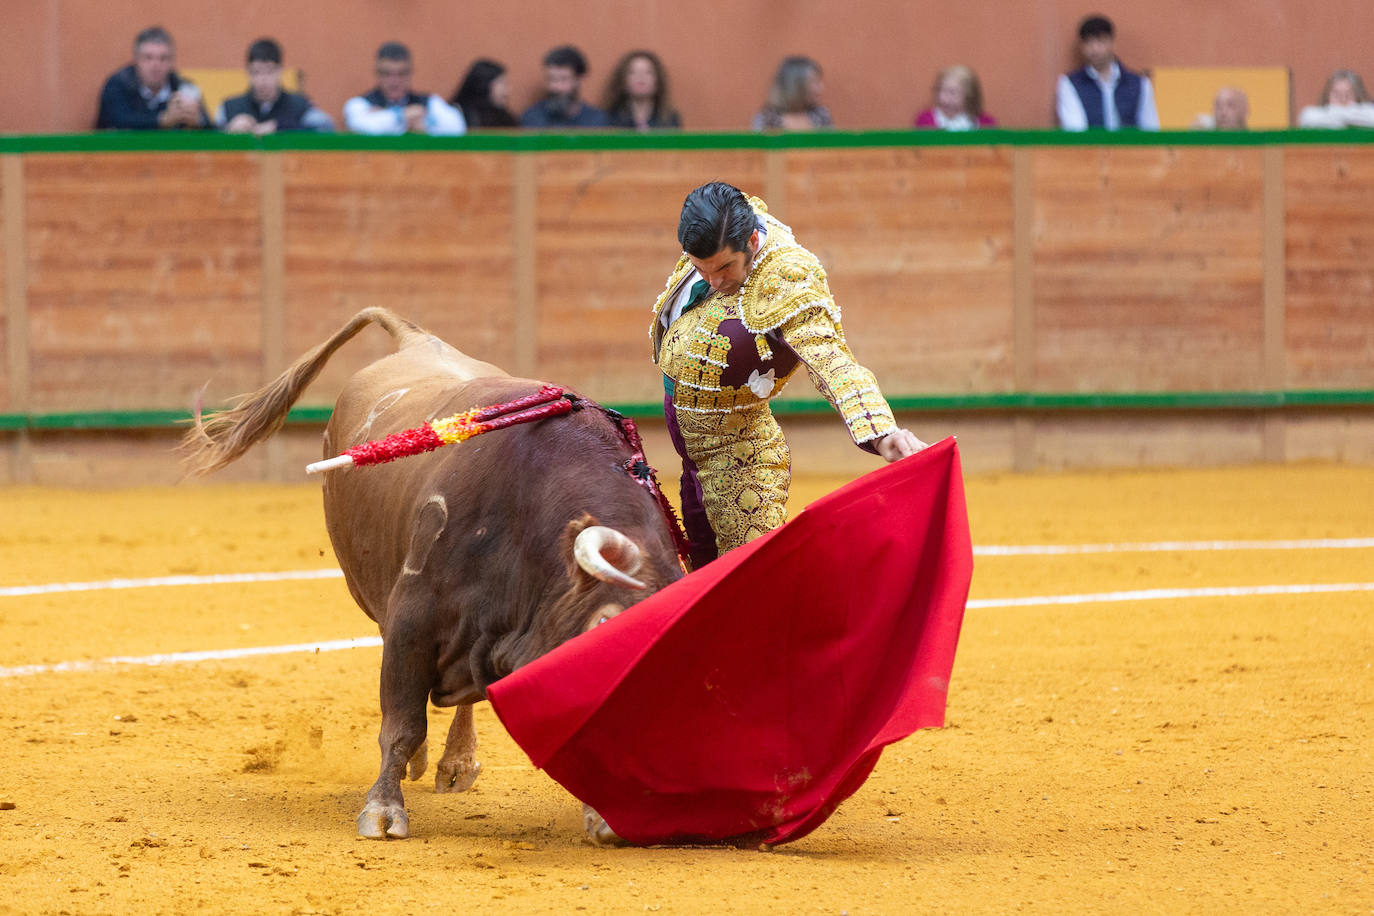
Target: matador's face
727, 269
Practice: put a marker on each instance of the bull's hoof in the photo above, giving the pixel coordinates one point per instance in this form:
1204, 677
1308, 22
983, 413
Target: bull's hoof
418, 761
598, 831
379, 822
456, 776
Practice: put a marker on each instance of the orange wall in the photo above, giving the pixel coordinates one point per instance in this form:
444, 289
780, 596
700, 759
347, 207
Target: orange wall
879, 55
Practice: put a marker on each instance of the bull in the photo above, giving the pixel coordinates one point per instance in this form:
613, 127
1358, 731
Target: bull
472, 560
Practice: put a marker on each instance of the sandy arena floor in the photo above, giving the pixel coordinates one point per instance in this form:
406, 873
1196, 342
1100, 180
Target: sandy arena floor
1179, 754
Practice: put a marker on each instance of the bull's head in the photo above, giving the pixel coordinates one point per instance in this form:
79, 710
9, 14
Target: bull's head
603, 555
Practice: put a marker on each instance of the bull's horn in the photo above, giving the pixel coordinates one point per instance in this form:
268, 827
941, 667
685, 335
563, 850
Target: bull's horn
606, 554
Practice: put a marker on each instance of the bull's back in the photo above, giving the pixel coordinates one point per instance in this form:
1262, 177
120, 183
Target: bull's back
425, 357
371, 512
406, 383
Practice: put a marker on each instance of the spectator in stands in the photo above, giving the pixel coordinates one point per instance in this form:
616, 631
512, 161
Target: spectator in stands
1104, 94
794, 99
956, 102
1344, 103
1230, 111
267, 107
148, 94
562, 106
637, 93
483, 95
392, 108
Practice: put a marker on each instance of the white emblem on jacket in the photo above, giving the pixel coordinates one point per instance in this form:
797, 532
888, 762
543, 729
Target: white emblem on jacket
761, 385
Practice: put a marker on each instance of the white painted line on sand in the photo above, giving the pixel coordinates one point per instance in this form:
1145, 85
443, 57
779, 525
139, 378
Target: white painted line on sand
1173, 594
1024, 550
982, 550
1153, 594
181, 658
52, 588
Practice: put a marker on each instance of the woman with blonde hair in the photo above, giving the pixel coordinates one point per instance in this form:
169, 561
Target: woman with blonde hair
794, 100
956, 102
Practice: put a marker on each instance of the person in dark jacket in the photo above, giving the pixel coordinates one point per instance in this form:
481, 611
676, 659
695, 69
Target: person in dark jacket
1104, 94
562, 106
267, 107
149, 94
484, 95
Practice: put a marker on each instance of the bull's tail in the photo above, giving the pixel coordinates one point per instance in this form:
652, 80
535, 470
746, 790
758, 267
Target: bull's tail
221, 437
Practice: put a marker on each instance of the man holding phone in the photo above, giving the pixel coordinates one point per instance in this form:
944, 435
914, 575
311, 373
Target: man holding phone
148, 94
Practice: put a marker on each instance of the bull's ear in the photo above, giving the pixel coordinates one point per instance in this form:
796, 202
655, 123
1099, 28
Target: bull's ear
575, 527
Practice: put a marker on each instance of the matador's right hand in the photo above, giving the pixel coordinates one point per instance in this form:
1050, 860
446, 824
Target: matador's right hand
898, 444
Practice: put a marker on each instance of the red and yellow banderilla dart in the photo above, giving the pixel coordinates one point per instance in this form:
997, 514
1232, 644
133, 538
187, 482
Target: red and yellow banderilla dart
548, 401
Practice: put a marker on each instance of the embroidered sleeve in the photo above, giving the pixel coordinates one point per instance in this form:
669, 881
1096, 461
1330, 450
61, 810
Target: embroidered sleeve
819, 342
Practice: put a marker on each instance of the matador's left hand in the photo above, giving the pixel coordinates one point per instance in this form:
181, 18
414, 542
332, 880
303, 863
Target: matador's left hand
900, 443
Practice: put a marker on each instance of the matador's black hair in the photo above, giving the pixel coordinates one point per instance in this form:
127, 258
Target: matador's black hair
715, 216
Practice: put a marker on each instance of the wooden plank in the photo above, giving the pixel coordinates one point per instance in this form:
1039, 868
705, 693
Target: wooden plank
918, 247
1329, 266
126, 458
273, 215
775, 182
607, 241
144, 278
1346, 436
1275, 351
272, 212
819, 445
1149, 269
1071, 441
425, 234
1023, 268
524, 234
1023, 299
14, 378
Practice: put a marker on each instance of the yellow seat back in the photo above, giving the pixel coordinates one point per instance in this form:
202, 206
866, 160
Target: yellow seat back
1183, 93
219, 83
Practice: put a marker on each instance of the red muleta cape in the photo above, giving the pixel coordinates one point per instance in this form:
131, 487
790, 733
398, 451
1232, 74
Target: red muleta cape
750, 698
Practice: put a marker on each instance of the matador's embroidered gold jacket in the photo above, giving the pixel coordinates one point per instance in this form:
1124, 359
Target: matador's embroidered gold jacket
735, 352
724, 358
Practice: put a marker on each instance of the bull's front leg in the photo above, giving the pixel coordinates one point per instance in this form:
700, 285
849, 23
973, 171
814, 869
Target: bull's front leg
598, 831
407, 666
458, 768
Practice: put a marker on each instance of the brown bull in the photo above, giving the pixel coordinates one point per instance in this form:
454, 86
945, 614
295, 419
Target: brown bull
473, 559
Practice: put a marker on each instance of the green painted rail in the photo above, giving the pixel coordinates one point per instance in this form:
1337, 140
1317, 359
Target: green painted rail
1009, 402
596, 141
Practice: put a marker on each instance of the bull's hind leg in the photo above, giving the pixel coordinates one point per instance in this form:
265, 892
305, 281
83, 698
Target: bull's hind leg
458, 768
407, 674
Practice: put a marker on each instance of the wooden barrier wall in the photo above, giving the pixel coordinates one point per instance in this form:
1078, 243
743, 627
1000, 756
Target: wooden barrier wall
133, 278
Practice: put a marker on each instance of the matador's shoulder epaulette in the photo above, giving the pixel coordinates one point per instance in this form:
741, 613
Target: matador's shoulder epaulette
788, 280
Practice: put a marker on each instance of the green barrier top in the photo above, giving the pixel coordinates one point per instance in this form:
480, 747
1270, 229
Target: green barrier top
935, 403
594, 141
